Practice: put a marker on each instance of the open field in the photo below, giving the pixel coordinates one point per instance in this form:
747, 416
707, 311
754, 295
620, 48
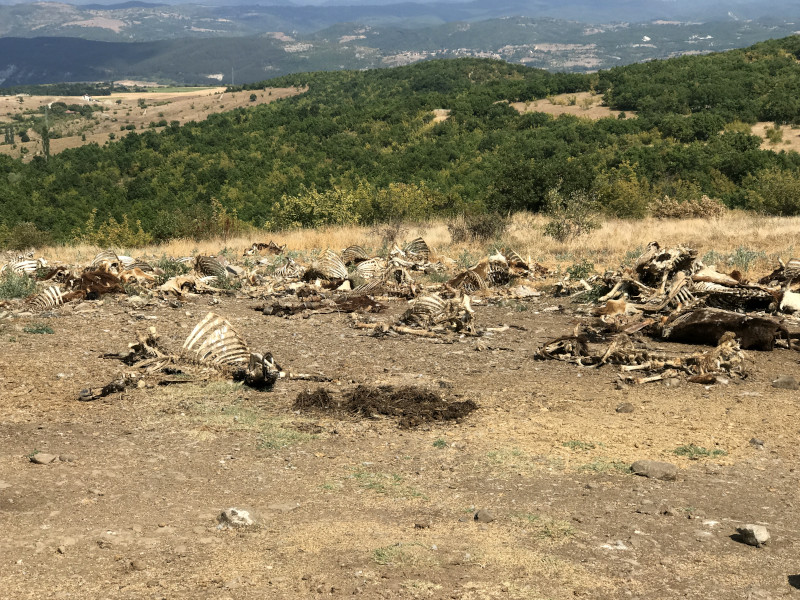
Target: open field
580, 104
123, 112
350, 506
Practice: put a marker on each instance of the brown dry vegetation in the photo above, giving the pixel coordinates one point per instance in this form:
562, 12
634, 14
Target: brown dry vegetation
182, 106
607, 246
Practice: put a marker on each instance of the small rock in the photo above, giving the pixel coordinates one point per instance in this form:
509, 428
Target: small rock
422, 525
754, 535
137, 565
67, 458
757, 443
620, 385
672, 382
786, 382
40, 458
96, 492
61, 550
655, 469
235, 518
666, 511
625, 407
484, 516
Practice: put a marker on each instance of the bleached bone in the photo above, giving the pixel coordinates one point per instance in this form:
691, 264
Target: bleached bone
332, 267
371, 268
354, 254
207, 265
214, 341
48, 299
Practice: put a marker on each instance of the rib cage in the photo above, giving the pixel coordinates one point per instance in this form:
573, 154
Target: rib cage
48, 299
108, 258
373, 267
792, 270
332, 267
417, 250
210, 266
354, 255
289, 269
26, 267
425, 311
214, 341
468, 282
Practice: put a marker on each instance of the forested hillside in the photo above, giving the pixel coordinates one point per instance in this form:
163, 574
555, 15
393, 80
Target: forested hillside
365, 146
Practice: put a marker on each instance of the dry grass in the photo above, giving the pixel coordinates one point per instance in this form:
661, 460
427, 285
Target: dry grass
581, 104
170, 106
616, 241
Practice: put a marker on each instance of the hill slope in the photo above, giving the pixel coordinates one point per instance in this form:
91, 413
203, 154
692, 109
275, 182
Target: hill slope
365, 146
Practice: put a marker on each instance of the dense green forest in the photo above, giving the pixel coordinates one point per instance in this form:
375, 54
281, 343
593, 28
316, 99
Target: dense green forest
364, 147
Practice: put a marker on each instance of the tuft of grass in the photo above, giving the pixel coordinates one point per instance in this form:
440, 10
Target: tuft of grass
275, 437
389, 484
546, 528
579, 445
601, 465
38, 328
693, 452
440, 443
13, 285
414, 554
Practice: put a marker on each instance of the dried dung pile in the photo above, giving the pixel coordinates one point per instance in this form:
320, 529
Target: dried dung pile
411, 405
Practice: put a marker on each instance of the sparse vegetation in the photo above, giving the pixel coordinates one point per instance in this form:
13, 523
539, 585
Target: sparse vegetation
14, 285
38, 328
693, 452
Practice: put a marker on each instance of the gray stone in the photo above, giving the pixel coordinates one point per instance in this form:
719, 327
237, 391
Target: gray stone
67, 458
757, 443
625, 407
234, 518
786, 382
484, 516
40, 458
754, 535
655, 469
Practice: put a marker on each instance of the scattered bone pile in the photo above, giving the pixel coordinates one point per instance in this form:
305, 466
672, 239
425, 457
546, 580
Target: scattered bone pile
670, 295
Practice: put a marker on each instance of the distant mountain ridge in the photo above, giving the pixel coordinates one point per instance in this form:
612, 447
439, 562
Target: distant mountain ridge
552, 44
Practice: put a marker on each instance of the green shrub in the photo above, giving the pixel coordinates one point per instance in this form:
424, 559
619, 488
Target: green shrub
13, 285
571, 215
774, 192
774, 134
112, 233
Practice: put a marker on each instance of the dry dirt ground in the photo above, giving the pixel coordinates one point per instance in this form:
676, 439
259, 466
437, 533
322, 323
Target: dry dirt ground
122, 110
359, 507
